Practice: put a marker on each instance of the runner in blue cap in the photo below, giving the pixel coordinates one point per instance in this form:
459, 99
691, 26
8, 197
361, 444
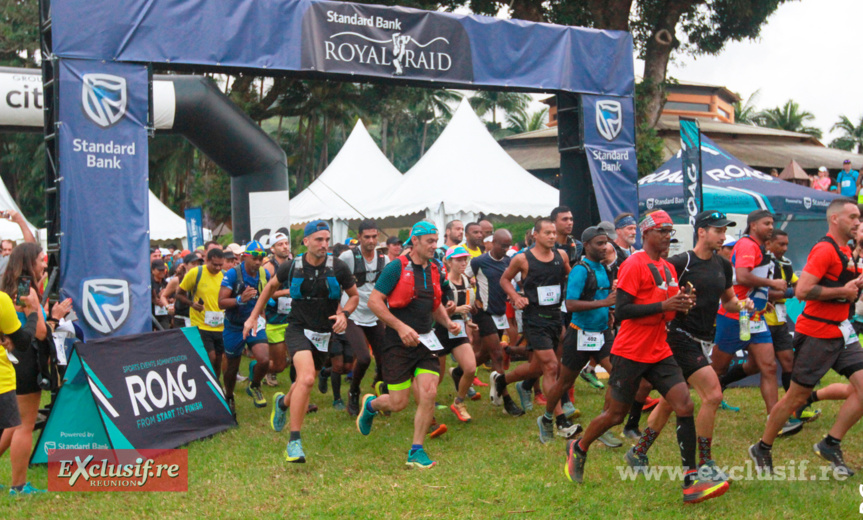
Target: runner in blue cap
241, 286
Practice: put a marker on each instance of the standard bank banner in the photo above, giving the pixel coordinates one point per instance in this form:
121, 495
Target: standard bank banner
194, 228
102, 131
144, 391
609, 142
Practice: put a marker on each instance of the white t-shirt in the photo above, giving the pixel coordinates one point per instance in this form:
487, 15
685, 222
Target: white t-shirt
362, 316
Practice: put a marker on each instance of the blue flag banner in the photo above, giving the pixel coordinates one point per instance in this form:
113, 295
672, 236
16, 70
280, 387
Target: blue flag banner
609, 142
355, 40
102, 132
194, 228
690, 154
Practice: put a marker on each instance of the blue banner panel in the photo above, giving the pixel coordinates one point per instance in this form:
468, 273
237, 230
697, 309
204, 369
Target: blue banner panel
609, 142
348, 39
690, 148
194, 228
104, 258
729, 185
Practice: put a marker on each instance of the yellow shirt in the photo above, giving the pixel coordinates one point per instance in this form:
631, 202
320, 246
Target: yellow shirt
9, 323
770, 317
208, 290
473, 252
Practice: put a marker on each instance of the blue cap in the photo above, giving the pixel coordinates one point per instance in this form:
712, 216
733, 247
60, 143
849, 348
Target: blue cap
315, 226
422, 228
255, 248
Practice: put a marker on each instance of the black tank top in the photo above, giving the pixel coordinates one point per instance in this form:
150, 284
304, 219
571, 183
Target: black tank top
543, 274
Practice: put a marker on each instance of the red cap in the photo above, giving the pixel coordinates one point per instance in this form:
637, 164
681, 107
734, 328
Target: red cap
657, 220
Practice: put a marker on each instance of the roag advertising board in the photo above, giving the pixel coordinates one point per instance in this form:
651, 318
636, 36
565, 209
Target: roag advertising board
102, 136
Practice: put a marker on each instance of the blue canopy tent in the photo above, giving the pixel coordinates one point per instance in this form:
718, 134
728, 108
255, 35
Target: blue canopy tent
731, 186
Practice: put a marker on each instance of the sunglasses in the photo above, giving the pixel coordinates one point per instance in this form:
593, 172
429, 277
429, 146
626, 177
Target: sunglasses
669, 232
257, 254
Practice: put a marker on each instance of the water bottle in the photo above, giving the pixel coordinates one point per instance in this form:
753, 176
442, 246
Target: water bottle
744, 325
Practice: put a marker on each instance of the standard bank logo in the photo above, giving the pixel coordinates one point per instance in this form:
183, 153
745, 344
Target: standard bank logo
609, 119
807, 202
50, 447
650, 203
106, 303
103, 97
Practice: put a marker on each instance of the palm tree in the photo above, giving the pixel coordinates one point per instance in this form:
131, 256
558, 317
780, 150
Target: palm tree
788, 117
852, 138
487, 101
520, 122
746, 113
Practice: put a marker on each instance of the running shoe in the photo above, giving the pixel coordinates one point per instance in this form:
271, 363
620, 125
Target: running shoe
574, 468
277, 415
591, 379
271, 380
833, 454
610, 440
636, 461
323, 380
727, 407
338, 405
763, 459
524, 396
438, 406
232, 406
511, 408
486, 365
540, 399
478, 382
460, 411
633, 434
365, 417
650, 403
791, 427
419, 459
546, 429
805, 415
257, 397
568, 430
570, 411
353, 404
294, 452
473, 395
436, 430
493, 390
312, 408
252, 365
700, 490
710, 471
26, 489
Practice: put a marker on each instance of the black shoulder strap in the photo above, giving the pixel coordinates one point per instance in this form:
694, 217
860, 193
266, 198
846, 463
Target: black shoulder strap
197, 281
240, 282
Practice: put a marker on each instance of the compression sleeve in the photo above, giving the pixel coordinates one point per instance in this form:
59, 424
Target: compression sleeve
627, 309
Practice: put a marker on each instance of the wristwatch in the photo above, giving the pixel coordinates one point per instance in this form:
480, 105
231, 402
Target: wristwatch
346, 313
239, 300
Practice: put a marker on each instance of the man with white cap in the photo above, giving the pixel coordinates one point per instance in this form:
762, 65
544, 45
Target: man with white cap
277, 309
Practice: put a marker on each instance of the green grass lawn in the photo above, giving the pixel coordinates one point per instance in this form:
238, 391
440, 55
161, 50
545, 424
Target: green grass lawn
493, 467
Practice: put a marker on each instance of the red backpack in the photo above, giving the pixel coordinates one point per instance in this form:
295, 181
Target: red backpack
404, 293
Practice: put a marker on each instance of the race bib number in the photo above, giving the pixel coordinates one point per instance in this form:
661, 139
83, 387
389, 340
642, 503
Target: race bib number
461, 334
848, 332
321, 340
430, 340
500, 321
757, 326
214, 318
548, 295
161, 310
284, 305
846, 184
590, 341
781, 312
262, 324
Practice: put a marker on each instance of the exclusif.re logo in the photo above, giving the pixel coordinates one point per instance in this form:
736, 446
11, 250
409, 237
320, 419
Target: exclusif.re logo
104, 98
363, 39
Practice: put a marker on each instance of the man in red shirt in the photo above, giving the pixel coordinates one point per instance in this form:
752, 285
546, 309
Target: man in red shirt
647, 298
824, 338
753, 274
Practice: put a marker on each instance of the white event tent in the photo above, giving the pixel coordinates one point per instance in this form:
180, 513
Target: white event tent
8, 229
354, 182
466, 173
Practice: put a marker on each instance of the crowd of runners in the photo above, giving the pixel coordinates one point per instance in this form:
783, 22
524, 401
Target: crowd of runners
541, 313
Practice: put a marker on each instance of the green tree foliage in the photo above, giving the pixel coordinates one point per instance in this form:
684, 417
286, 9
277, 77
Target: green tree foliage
746, 112
852, 135
788, 117
520, 122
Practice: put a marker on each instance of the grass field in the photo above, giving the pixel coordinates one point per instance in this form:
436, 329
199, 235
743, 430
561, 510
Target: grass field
493, 467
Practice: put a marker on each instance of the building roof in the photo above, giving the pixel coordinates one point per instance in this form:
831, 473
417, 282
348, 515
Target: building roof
759, 147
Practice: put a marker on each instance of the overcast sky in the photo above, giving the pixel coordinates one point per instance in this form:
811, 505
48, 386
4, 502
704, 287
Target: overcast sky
809, 51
